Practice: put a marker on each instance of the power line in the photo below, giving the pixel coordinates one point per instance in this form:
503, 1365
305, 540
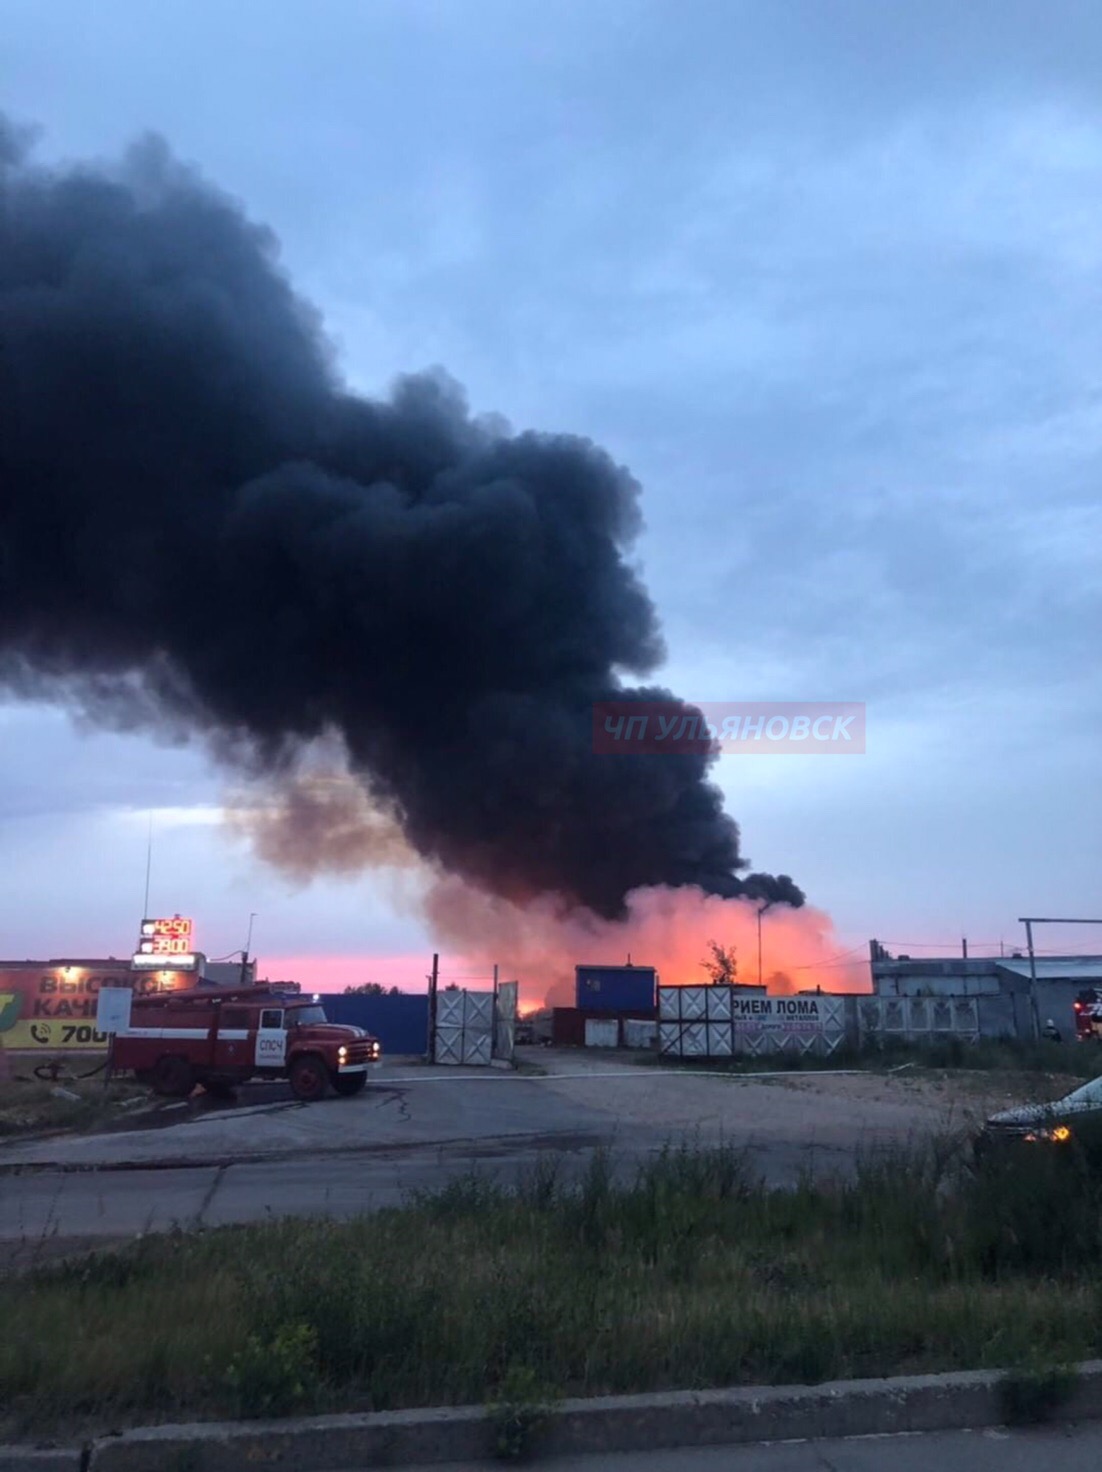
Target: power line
838, 960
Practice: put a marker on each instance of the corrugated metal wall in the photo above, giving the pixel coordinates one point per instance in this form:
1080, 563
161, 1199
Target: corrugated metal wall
400, 1023
615, 988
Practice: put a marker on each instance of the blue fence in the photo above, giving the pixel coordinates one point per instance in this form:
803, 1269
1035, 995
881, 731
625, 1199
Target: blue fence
615, 988
400, 1023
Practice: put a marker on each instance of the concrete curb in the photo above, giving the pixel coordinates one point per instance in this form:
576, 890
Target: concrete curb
40, 1459
913, 1403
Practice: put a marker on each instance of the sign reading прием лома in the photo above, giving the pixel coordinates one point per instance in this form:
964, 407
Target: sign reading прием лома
786, 1014
719, 1021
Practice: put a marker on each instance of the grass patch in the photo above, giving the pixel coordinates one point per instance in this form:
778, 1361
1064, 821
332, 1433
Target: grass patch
1035, 1394
30, 1106
994, 1055
691, 1274
519, 1415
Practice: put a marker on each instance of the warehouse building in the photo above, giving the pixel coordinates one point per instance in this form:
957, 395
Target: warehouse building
1013, 997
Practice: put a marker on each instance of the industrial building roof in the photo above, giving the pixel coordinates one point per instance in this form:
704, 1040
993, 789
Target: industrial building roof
1058, 968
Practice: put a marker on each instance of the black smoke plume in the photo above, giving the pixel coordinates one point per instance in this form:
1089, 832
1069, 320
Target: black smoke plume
202, 529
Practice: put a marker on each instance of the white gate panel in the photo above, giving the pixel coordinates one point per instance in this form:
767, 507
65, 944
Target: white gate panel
669, 1039
718, 1003
694, 1003
449, 1045
505, 1020
669, 1002
449, 1009
720, 1044
694, 1040
477, 1048
478, 1011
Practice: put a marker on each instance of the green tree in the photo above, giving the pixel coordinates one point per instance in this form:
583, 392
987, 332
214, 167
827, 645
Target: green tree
720, 964
372, 989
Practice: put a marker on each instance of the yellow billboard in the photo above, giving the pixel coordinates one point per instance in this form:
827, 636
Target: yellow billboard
49, 1008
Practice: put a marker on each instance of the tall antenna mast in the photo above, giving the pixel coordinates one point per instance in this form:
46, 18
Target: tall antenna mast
148, 867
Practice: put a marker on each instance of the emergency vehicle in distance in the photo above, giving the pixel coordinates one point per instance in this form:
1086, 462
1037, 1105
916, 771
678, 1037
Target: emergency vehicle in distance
222, 1038
1088, 1015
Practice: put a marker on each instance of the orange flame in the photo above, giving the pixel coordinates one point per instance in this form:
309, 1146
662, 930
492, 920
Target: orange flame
669, 929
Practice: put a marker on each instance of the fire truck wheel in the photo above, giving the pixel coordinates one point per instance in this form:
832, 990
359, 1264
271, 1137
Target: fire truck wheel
347, 1084
309, 1078
173, 1076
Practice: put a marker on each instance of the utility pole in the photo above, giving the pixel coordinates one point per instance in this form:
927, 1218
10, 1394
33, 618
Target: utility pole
1029, 921
434, 979
1032, 979
245, 952
761, 912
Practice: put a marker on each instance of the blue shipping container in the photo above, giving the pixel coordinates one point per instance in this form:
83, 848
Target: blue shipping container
615, 988
400, 1023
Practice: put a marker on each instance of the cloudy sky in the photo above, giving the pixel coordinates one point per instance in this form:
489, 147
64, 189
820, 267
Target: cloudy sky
826, 277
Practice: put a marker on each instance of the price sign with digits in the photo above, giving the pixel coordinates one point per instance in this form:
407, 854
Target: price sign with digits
166, 938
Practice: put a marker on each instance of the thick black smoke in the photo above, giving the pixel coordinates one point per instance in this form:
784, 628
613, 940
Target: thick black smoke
201, 528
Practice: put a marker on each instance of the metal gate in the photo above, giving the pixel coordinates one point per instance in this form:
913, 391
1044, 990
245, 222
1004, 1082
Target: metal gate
505, 1020
464, 1027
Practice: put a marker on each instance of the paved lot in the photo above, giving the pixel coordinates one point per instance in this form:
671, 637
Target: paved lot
1050, 1450
416, 1126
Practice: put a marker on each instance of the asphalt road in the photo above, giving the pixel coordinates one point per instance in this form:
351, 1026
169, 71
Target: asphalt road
1076, 1449
413, 1129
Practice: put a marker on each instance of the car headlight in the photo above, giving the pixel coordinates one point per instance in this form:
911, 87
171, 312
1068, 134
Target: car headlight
342, 1052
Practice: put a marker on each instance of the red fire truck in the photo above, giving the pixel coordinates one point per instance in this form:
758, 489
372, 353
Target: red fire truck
221, 1038
1088, 1015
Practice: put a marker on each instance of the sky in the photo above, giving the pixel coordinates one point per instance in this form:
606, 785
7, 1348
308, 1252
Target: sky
825, 277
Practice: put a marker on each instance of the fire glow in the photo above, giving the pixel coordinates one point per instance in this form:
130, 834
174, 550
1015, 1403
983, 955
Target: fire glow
665, 928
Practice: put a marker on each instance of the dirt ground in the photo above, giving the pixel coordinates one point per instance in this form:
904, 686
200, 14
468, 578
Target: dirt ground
981, 1092
416, 1127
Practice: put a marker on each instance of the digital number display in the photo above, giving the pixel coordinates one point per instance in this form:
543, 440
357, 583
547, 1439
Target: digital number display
166, 941
166, 945
175, 929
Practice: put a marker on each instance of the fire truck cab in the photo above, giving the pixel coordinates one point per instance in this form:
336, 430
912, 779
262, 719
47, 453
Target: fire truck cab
221, 1039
